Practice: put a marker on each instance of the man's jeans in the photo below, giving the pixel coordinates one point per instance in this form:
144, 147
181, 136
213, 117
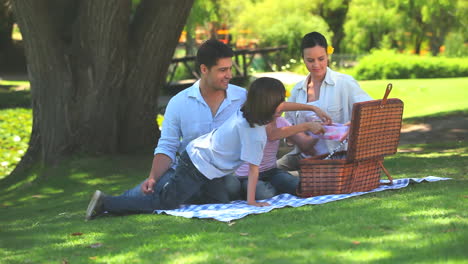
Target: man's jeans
172, 189
270, 183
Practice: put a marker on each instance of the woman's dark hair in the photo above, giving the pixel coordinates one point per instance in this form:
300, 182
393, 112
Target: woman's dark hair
265, 95
311, 40
212, 50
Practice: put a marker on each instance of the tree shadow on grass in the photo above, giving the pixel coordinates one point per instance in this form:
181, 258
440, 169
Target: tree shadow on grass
14, 99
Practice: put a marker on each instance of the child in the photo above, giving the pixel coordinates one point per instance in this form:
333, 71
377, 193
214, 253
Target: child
216, 154
272, 180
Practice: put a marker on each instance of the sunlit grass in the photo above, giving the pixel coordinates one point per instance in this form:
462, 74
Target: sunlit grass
423, 97
14, 83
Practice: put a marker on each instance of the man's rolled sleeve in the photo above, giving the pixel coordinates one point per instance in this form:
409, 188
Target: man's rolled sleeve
169, 141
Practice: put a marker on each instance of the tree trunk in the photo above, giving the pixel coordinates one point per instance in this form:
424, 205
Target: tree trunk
335, 16
95, 74
6, 26
417, 44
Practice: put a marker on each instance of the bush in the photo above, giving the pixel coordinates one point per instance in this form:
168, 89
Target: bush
386, 64
15, 129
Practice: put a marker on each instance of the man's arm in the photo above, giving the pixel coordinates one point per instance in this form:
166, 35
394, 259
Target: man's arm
161, 163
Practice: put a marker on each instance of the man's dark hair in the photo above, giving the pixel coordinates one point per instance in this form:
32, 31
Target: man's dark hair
265, 95
212, 50
313, 39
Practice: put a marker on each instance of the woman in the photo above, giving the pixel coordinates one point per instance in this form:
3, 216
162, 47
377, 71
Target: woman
333, 92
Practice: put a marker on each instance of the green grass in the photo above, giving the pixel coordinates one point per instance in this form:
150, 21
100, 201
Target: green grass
15, 129
42, 220
423, 96
42, 210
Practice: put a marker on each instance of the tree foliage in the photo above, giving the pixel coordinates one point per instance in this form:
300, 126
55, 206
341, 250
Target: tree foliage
401, 24
279, 22
334, 13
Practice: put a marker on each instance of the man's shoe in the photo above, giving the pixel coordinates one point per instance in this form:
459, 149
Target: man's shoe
96, 206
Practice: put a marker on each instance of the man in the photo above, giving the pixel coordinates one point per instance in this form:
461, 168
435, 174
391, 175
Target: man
191, 113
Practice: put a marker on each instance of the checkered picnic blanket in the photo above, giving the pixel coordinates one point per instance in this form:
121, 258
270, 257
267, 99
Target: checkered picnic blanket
238, 209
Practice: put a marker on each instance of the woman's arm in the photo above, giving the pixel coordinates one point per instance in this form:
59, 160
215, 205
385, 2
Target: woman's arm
252, 186
305, 142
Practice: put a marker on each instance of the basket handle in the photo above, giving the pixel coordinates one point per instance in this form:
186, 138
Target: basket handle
387, 92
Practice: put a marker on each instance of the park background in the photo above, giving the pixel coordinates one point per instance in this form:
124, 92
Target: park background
419, 46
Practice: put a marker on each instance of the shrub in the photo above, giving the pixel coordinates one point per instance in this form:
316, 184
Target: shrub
386, 64
15, 129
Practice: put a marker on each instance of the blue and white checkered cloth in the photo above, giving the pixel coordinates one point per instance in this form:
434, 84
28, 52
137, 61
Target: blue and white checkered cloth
238, 209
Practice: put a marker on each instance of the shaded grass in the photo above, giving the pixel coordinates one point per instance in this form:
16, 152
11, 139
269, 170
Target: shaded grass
423, 223
13, 99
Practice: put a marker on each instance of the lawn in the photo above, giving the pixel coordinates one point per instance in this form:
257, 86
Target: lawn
42, 212
424, 96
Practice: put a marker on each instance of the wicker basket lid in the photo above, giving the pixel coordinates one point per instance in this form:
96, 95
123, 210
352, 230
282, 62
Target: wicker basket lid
375, 128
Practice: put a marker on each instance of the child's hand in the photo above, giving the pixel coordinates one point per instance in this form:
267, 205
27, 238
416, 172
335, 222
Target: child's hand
326, 119
259, 204
315, 128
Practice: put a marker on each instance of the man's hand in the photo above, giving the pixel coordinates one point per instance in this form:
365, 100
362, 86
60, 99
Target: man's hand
258, 204
147, 186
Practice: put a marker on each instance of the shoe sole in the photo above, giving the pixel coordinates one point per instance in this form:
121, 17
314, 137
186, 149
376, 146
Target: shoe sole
92, 205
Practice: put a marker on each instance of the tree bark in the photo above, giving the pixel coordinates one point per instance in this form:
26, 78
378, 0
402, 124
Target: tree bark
6, 25
95, 72
335, 17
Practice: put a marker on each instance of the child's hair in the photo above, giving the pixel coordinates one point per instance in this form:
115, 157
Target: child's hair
313, 39
212, 50
264, 96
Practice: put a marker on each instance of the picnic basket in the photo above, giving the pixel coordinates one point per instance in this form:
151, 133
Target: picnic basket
374, 133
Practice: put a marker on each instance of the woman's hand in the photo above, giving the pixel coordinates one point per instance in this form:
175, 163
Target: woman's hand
258, 204
315, 127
